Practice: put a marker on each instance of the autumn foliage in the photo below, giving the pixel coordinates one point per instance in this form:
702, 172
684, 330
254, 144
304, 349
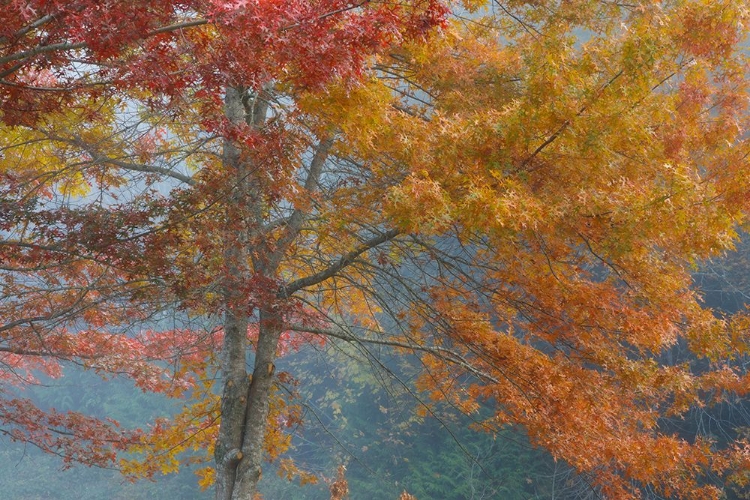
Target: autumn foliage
516, 192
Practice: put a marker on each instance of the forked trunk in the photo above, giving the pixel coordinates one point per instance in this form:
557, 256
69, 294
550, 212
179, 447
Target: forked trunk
242, 472
245, 398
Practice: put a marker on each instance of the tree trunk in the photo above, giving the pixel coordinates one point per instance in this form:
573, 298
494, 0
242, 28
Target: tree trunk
248, 471
245, 399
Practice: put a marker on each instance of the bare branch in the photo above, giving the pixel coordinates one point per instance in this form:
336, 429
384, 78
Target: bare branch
125, 165
344, 261
442, 352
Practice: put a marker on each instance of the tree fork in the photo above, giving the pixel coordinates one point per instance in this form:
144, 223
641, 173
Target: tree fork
228, 452
248, 471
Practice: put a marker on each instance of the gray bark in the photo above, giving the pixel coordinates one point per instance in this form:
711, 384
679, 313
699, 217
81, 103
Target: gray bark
248, 471
245, 399
228, 450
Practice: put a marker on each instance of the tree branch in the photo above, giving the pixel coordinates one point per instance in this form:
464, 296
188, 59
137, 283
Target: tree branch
344, 261
100, 158
67, 46
567, 122
295, 221
323, 16
442, 352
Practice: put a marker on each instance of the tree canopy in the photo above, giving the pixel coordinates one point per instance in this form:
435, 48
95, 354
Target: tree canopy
515, 192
